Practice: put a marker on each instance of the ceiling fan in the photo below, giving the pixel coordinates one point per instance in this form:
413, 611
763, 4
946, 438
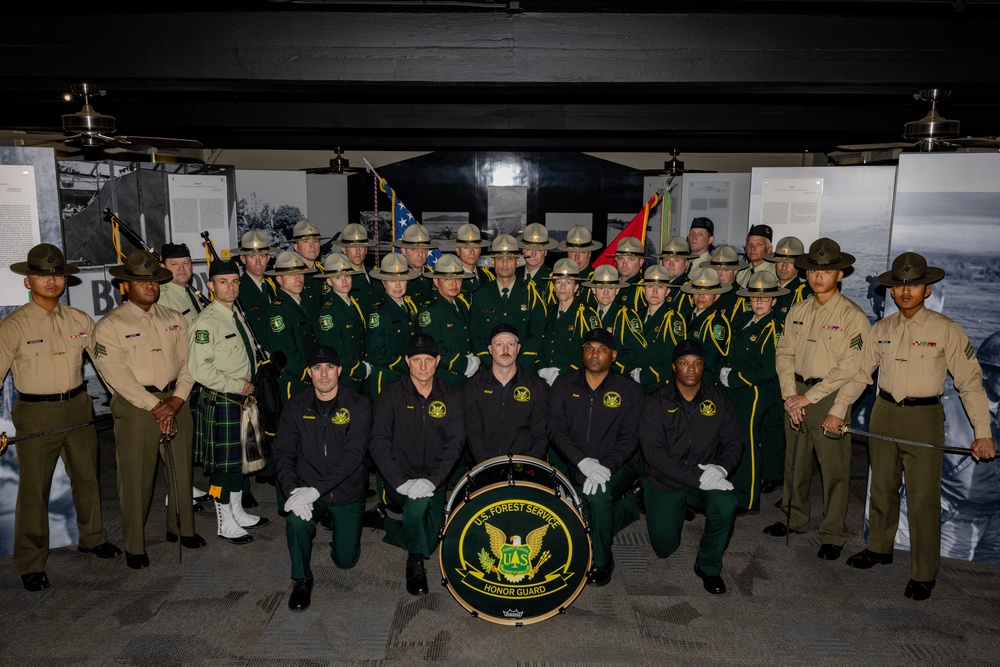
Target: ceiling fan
88, 129
675, 167
338, 165
933, 132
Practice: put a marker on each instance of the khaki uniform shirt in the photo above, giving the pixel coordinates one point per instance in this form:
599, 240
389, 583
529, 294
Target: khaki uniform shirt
821, 341
134, 349
45, 349
180, 298
217, 355
913, 358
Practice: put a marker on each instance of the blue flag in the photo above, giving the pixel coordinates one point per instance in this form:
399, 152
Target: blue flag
402, 218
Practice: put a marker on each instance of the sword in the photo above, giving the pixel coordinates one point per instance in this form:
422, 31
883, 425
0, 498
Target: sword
901, 441
5, 441
165, 439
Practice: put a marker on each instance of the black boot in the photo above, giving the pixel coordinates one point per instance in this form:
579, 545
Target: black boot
416, 575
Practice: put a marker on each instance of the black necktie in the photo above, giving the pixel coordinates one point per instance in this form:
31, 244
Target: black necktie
249, 347
194, 299
504, 294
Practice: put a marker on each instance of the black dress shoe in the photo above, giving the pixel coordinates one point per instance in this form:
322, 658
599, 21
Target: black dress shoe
195, 541
688, 514
105, 550
778, 529
770, 485
136, 561
265, 479
866, 559
601, 576
375, 518
197, 508
829, 552
636, 490
203, 498
249, 502
35, 581
915, 590
777, 503
416, 575
301, 595
713, 583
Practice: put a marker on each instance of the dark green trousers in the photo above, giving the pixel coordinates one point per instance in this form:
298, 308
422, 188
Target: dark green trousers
345, 545
922, 466
834, 457
772, 436
137, 446
751, 405
665, 521
609, 511
37, 459
417, 532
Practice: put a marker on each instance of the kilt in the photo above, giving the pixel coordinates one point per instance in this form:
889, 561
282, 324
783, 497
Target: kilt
217, 443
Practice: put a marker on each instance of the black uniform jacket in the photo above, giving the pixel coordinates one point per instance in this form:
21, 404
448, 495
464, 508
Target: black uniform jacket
501, 421
673, 446
326, 454
416, 437
602, 424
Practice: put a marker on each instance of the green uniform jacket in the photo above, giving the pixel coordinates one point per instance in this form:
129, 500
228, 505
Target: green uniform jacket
390, 327
751, 354
524, 310
290, 330
448, 325
625, 325
798, 290
421, 291
314, 291
662, 331
562, 339
255, 302
712, 329
341, 325
484, 276
544, 287
366, 291
677, 300
632, 296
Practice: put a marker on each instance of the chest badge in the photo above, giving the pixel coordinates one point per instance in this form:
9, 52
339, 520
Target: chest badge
437, 409
522, 394
707, 408
612, 399
341, 417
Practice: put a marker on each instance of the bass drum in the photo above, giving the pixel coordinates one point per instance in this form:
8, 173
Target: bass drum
515, 547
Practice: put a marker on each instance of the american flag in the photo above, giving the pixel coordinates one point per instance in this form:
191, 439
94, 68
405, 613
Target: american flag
402, 218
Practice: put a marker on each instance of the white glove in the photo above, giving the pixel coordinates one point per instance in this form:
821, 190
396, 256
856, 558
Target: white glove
714, 478
549, 374
300, 502
593, 469
368, 370
635, 373
589, 487
422, 488
724, 376
404, 488
473, 366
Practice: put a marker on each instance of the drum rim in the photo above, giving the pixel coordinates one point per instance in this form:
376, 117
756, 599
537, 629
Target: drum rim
577, 503
477, 613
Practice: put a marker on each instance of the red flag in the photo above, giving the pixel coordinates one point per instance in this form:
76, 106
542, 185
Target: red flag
636, 228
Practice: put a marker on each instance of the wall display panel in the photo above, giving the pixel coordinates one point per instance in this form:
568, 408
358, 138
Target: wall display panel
948, 209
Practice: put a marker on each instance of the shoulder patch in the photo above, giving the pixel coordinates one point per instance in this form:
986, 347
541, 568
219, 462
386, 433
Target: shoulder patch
718, 331
326, 322
425, 318
857, 342
100, 350
201, 337
277, 323
373, 321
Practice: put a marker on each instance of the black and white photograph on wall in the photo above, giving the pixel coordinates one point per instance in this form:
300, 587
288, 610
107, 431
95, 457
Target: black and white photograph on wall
507, 209
856, 212
948, 210
384, 236
559, 224
62, 515
443, 226
271, 202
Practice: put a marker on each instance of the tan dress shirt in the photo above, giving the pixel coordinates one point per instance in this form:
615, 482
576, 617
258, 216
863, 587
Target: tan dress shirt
45, 349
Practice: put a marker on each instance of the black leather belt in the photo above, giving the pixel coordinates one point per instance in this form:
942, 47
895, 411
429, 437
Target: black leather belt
50, 398
809, 382
909, 402
156, 390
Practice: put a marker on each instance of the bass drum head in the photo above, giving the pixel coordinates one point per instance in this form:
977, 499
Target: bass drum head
515, 554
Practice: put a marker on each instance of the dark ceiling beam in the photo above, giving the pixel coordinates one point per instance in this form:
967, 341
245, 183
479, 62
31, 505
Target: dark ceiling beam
609, 81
